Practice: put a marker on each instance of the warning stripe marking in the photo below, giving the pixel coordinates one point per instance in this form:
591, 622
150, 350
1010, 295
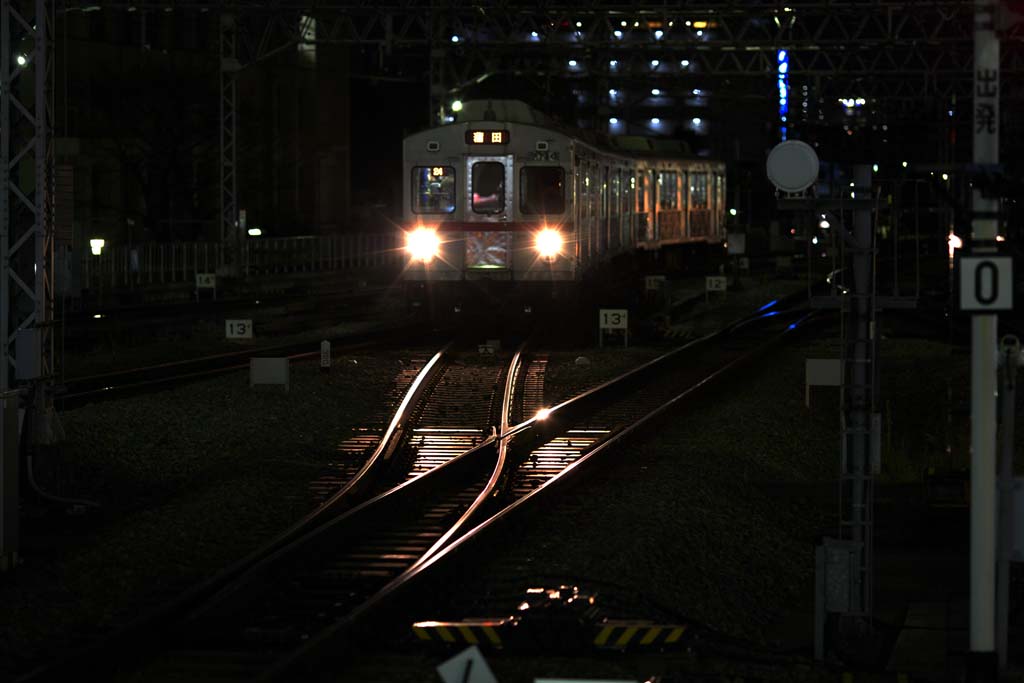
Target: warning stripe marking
492, 635
626, 635
676, 634
622, 635
652, 633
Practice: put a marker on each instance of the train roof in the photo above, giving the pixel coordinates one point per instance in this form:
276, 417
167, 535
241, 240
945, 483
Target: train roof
516, 111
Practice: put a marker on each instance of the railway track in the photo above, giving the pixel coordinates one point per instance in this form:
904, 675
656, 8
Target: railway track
81, 390
231, 627
337, 575
531, 461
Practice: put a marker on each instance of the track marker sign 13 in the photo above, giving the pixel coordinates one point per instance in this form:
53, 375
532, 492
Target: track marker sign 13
238, 329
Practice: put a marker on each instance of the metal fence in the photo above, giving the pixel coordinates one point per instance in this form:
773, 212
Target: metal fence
154, 264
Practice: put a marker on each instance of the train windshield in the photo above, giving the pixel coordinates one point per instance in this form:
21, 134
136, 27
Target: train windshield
488, 187
542, 190
433, 189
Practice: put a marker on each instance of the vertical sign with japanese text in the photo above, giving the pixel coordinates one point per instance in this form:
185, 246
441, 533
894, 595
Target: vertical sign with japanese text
986, 90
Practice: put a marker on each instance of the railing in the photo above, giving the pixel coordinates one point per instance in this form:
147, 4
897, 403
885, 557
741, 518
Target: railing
155, 264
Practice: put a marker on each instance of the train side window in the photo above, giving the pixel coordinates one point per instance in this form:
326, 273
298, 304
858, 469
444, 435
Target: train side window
433, 189
488, 187
542, 190
667, 191
699, 190
629, 197
641, 193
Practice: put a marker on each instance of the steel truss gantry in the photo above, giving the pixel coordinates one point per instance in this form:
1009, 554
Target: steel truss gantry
26, 207
904, 56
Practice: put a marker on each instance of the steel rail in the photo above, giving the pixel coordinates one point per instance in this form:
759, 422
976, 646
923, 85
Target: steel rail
193, 597
500, 462
233, 588
179, 371
379, 603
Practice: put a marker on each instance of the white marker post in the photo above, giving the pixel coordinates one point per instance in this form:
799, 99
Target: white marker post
981, 660
206, 281
325, 356
612, 319
714, 283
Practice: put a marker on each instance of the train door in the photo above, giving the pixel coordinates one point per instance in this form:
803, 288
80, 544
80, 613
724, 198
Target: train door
615, 213
628, 207
654, 196
643, 216
603, 222
720, 204
489, 188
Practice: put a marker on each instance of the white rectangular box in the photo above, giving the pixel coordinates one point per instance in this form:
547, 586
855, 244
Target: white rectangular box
824, 372
238, 329
269, 371
736, 243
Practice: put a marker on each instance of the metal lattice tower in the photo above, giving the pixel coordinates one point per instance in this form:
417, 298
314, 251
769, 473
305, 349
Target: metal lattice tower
26, 208
229, 67
860, 425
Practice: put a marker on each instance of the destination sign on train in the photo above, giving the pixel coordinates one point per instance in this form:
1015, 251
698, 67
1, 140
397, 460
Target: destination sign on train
487, 137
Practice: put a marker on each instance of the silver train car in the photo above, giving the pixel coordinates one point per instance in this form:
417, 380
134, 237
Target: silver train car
505, 205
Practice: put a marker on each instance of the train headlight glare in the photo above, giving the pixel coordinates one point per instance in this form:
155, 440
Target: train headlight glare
423, 244
548, 243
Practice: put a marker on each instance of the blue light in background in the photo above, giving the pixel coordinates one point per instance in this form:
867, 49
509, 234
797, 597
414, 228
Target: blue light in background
768, 305
783, 83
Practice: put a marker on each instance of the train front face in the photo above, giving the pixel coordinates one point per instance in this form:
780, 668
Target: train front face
487, 221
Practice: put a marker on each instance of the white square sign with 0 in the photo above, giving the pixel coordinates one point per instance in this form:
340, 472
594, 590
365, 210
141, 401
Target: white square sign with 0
986, 283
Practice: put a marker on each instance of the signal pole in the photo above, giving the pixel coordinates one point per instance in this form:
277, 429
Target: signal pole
981, 661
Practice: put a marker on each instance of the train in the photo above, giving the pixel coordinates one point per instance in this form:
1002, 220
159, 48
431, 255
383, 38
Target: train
504, 208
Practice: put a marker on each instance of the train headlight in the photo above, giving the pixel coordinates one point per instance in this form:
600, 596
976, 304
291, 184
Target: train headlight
423, 244
548, 243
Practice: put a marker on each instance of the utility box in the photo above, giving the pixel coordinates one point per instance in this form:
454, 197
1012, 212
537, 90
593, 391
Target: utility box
836, 585
270, 371
27, 354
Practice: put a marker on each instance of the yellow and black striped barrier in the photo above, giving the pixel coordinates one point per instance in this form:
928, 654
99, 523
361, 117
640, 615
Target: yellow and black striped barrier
631, 635
485, 632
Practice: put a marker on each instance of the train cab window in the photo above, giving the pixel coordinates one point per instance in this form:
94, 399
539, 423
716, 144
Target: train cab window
433, 189
699, 190
668, 194
488, 187
542, 190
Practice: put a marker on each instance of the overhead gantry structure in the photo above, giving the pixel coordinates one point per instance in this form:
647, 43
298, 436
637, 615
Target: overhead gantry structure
909, 58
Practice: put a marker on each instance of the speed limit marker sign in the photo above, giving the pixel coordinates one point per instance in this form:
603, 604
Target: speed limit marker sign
986, 283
